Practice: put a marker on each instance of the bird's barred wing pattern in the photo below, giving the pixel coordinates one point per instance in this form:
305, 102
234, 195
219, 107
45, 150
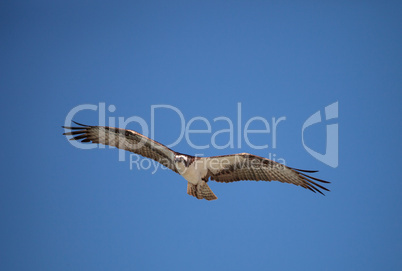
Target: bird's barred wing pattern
124, 139
244, 166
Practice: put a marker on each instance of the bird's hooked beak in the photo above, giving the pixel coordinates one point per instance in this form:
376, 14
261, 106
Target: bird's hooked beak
178, 159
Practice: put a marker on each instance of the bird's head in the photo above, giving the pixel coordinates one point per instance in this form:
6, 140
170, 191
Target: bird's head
181, 161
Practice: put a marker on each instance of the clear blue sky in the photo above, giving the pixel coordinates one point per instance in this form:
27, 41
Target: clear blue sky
64, 208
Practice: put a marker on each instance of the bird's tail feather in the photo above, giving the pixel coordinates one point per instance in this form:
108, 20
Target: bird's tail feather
201, 191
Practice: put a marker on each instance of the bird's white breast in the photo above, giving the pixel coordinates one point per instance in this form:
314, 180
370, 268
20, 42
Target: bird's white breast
195, 172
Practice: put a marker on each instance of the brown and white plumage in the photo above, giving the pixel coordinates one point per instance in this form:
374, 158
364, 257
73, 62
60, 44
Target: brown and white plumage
198, 170
128, 140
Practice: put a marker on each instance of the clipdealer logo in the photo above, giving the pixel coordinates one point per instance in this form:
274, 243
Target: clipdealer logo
330, 157
237, 132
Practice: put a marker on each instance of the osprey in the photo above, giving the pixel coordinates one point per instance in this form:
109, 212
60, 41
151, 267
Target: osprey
197, 170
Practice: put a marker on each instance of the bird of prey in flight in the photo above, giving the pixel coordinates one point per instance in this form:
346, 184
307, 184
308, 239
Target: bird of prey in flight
197, 170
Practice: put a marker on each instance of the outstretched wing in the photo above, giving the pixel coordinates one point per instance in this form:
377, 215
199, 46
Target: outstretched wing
244, 166
128, 140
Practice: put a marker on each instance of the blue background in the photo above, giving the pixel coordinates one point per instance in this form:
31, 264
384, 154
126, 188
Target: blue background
64, 208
